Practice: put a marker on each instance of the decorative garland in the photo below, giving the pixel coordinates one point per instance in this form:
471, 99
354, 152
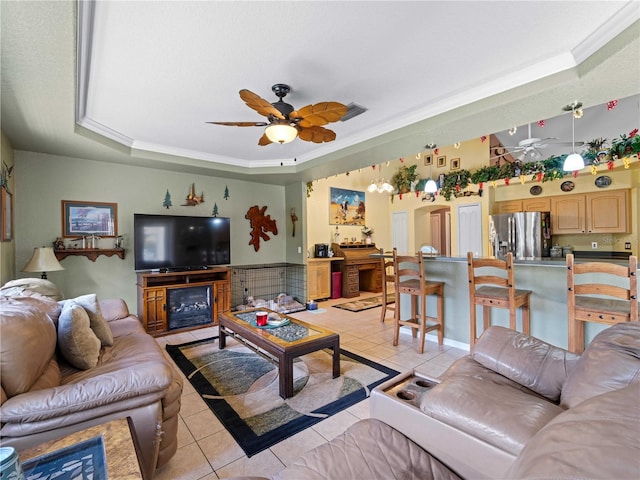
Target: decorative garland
544, 170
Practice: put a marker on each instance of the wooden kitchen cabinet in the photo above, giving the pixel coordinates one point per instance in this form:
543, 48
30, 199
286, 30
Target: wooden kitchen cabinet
597, 212
319, 279
608, 212
526, 205
510, 206
536, 204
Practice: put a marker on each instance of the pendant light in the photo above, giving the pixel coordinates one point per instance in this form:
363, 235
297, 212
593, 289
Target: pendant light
380, 185
431, 186
574, 161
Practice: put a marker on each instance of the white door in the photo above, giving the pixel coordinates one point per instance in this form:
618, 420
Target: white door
470, 229
400, 231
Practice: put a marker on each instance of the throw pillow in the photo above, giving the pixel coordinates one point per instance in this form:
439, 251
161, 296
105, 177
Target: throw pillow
78, 344
98, 323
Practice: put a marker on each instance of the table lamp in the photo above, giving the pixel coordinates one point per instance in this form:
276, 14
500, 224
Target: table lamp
43, 260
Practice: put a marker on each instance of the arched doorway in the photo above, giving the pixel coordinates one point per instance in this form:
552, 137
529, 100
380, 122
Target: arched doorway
433, 227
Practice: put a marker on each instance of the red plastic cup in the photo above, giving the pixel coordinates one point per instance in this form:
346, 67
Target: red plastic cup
261, 318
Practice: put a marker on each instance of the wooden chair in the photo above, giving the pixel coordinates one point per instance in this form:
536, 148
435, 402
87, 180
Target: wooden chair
623, 307
387, 278
410, 279
502, 292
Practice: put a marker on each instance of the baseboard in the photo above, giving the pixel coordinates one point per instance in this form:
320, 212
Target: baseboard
434, 338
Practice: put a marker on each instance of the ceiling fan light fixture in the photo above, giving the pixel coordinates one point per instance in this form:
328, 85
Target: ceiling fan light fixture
281, 133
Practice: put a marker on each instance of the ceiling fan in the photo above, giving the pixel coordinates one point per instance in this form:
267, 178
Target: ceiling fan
528, 150
285, 123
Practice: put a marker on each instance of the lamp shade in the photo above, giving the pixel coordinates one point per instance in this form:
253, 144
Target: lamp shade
573, 162
431, 186
281, 133
43, 260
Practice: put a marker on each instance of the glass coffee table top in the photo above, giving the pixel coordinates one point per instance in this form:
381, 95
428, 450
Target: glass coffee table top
290, 332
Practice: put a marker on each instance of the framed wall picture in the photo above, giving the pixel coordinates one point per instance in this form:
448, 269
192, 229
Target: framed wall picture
442, 161
89, 218
428, 160
346, 207
6, 215
455, 164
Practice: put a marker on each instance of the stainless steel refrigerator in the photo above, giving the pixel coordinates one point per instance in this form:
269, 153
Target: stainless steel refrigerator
525, 234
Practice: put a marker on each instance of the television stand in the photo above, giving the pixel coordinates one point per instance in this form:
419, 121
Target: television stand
154, 289
183, 269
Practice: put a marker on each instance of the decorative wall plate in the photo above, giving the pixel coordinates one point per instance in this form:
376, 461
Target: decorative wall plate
567, 186
603, 181
535, 190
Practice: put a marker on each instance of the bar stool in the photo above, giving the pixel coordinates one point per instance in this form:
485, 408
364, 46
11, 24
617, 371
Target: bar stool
582, 308
387, 278
502, 294
410, 278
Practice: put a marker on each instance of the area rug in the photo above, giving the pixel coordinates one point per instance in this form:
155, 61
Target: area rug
365, 303
241, 388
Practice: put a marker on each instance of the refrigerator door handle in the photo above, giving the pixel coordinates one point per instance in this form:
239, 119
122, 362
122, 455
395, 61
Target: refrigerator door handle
510, 234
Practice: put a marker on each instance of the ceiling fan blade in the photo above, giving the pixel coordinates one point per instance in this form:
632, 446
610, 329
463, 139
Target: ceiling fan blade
259, 104
241, 124
316, 134
264, 140
319, 114
560, 144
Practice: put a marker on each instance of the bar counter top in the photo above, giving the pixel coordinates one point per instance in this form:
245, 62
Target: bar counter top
534, 261
546, 277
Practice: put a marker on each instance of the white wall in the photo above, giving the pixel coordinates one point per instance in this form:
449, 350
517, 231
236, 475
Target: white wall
43, 181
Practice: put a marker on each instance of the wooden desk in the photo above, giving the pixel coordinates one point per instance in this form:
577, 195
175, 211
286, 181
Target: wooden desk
121, 451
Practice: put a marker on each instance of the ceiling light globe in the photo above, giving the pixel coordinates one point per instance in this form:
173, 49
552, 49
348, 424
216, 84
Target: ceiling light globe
573, 162
372, 187
281, 133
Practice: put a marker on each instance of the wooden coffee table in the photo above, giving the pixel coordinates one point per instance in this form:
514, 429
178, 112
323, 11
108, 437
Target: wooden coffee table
282, 344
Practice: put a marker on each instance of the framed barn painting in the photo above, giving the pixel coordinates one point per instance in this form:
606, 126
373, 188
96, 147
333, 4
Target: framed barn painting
346, 207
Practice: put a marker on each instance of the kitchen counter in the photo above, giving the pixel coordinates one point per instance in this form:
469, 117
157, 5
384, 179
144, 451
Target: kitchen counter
545, 277
537, 261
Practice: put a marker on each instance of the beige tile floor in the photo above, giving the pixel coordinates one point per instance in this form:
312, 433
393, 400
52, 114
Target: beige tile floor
207, 451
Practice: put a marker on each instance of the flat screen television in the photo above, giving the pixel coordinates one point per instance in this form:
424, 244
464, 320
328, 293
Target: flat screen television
175, 242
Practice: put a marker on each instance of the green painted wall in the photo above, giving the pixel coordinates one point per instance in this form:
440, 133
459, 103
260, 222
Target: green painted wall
7, 249
43, 181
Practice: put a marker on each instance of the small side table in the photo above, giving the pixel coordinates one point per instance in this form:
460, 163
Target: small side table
120, 448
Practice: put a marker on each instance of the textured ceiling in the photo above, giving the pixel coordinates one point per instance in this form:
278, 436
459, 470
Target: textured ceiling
150, 74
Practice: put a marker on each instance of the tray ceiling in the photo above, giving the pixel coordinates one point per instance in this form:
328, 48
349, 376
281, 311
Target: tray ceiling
144, 77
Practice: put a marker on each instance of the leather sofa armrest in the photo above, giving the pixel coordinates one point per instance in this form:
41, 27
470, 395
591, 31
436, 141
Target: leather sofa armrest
146, 379
529, 361
114, 309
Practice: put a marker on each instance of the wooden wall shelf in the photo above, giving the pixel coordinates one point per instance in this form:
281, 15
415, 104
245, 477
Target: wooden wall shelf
90, 253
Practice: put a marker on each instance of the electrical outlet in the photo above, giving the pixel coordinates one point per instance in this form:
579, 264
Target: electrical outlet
627, 245
299, 249
594, 245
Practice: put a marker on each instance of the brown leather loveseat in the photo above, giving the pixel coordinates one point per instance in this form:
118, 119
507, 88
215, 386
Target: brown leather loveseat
515, 408
57, 380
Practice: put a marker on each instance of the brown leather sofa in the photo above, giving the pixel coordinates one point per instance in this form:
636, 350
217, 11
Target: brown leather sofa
44, 397
515, 408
